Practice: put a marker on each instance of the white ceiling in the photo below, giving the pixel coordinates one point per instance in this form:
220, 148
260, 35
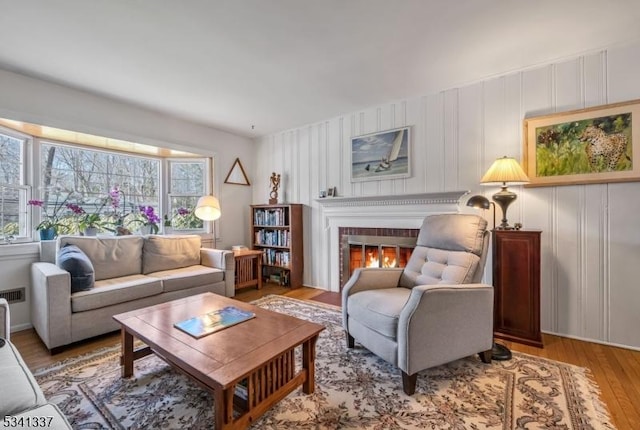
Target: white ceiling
278, 64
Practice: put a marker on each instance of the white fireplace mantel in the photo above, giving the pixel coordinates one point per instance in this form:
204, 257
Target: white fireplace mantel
451, 197
390, 211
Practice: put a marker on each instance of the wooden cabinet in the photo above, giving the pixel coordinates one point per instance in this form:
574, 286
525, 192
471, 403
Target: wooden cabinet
276, 230
516, 279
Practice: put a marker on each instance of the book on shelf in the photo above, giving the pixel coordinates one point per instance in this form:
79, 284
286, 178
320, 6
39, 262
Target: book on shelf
275, 278
214, 321
273, 257
273, 238
280, 278
271, 217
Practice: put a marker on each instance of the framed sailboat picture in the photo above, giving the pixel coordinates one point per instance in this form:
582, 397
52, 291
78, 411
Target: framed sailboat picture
381, 155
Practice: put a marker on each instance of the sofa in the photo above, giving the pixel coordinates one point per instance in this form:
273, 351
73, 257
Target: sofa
129, 272
22, 403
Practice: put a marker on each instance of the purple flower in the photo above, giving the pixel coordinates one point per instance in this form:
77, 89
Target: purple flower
149, 214
114, 194
77, 210
38, 203
183, 211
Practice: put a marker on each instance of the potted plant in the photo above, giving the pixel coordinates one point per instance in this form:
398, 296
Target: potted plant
48, 228
117, 214
51, 224
186, 219
90, 224
148, 219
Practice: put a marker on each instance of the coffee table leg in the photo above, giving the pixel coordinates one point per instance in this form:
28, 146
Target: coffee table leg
309, 364
127, 353
223, 407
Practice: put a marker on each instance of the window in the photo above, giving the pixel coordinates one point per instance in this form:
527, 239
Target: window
72, 183
88, 178
186, 186
14, 223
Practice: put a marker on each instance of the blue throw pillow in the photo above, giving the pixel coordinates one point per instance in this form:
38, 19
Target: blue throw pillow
73, 260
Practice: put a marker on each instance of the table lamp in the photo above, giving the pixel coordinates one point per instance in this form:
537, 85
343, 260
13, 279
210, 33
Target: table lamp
503, 171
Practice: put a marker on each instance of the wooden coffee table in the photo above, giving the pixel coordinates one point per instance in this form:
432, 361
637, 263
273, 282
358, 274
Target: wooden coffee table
256, 356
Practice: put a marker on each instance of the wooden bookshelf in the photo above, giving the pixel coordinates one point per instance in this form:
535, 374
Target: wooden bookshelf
276, 230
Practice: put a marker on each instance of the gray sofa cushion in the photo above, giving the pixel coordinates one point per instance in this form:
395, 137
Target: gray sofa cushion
73, 260
20, 391
112, 257
170, 252
188, 277
113, 291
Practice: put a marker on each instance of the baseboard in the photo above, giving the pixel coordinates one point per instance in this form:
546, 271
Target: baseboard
601, 342
20, 327
318, 288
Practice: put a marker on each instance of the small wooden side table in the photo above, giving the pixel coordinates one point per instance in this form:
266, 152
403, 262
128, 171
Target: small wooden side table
248, 268
516, 281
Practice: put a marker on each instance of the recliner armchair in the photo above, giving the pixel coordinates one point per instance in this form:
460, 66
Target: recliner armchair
433, 311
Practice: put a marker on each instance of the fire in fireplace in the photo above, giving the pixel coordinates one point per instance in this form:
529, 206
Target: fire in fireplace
374, 251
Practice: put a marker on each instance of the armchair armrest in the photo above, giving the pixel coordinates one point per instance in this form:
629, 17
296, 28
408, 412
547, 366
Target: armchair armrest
372, 278
368, 278
224, 260
5, 327
51, 303
441, 323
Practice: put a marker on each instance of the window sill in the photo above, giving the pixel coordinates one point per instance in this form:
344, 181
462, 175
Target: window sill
17, 249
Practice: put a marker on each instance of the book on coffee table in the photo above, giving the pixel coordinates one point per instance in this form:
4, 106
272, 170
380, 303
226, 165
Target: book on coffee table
213, 321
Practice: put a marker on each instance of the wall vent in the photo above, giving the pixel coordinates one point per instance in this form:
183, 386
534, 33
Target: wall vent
13, 296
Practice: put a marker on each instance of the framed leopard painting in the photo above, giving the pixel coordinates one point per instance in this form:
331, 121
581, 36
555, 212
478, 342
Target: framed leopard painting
593, 145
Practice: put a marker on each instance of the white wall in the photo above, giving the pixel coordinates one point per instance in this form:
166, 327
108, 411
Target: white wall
36, 101
591, 240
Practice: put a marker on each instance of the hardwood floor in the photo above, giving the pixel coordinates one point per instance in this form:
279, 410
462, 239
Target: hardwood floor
616, 370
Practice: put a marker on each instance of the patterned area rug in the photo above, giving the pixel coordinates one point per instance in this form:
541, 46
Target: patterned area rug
354, 390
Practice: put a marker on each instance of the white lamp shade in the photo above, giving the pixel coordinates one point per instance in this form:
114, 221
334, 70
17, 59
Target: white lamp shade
505, 170
208, 208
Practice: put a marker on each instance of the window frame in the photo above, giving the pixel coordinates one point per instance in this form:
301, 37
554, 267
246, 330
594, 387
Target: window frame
37, 150
207, 169
23, 186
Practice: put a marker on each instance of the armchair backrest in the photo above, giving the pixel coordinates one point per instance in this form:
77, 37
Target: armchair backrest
451, 249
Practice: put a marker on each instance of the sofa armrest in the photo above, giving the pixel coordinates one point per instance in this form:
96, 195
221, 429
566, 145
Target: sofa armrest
5, 322
441, 323
51, 303
224, 260
368, 278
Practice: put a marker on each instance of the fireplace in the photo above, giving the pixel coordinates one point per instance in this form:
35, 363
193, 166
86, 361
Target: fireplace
374, 247
376, 215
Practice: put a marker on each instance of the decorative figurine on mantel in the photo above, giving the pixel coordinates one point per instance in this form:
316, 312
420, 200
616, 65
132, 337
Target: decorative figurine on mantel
275, 184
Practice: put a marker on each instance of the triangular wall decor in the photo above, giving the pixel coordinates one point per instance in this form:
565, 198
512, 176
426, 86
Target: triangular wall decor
237, 175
